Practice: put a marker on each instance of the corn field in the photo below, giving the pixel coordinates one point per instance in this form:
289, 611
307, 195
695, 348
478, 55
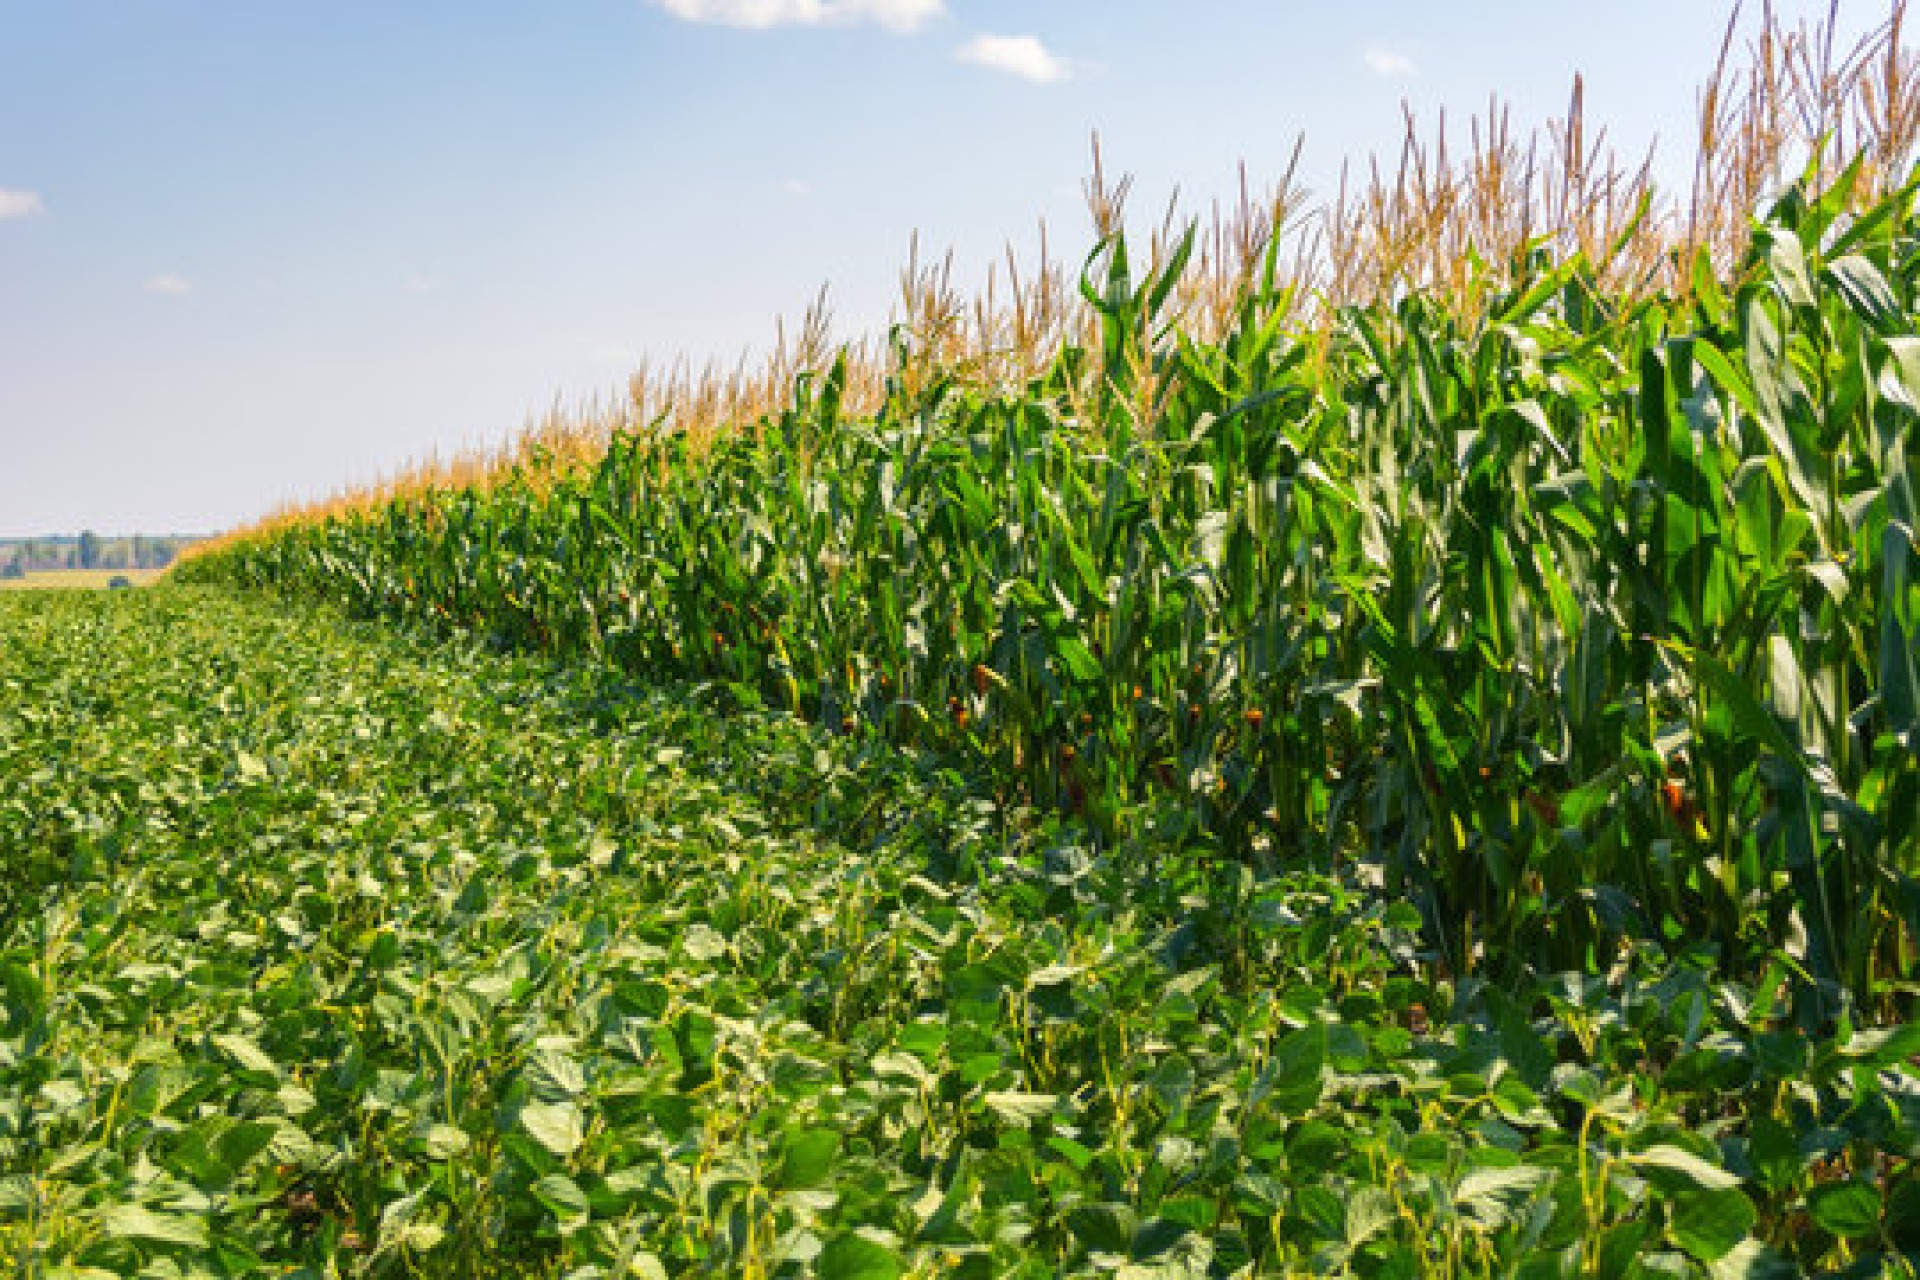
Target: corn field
1560, 577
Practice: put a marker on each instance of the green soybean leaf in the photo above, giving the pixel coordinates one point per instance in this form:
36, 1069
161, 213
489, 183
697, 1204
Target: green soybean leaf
1498, 1198
808, 1157
1679, 1170
556, 1126
1848, 1209
17, 1195
1884, 1046
247, 1054
1369, 1212
856, 1257
1710, 1223
1017, 1108
1775, 1153
1751, 1260
1903, 1216
563, 1197
1295, 1078
136, 1222
1106, 1227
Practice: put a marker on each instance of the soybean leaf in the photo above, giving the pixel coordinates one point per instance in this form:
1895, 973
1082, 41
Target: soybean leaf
136, 1222
556, 1126
1680, 1171
855, 1257
1848, 1209
1710, 1223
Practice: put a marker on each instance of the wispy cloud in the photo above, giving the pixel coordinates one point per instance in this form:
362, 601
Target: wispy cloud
1022, 56
169, 285
1388, 63
898, 15
797, 187
20, 204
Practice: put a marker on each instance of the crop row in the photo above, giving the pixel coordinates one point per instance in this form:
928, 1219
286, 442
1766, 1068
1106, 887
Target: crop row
1584, 623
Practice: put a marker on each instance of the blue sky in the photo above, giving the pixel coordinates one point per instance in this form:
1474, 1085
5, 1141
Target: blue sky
255, 250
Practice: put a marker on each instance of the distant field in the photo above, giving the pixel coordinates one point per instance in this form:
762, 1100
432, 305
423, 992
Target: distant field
78, 579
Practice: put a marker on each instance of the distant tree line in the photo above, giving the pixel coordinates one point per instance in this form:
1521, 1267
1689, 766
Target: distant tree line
21, 556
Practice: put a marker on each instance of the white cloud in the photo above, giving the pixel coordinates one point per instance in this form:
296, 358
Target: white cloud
20, 204
421, 284
797, 187
1022, 56
169, 285
1388, 63
899, 15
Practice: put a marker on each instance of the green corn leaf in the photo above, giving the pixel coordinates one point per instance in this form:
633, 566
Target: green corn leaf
1899, 668
1866, 292
1749, 713
1787, 263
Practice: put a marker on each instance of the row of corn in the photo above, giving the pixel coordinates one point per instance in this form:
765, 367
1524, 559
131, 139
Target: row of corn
1585, 622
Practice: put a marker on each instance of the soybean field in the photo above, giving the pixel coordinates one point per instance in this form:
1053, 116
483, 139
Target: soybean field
329, 950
